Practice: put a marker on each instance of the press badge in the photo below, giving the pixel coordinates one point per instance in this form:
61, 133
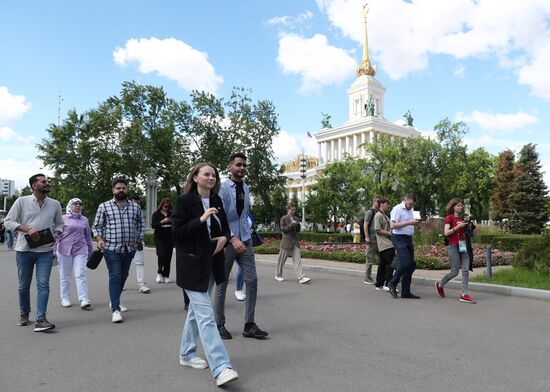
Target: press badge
462, 246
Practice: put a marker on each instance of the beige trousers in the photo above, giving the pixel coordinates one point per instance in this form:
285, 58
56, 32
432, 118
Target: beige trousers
296, 260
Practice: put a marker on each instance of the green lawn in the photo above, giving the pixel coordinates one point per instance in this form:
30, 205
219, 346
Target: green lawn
517, 277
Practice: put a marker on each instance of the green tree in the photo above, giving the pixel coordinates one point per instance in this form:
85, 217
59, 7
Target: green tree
337, 195
529, 198
503, 186
476, 182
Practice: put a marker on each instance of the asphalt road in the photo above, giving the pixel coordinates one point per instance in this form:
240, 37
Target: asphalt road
335, 334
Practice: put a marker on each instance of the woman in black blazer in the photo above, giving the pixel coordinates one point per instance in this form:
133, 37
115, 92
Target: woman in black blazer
200, 233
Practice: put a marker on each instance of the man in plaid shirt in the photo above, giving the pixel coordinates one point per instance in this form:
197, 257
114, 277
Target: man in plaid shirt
118, 229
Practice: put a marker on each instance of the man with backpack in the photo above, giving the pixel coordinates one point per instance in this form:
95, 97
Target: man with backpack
370, 239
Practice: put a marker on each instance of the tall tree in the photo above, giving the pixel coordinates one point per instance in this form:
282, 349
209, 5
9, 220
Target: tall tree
476, 182
337, 195
529, 199
503, 186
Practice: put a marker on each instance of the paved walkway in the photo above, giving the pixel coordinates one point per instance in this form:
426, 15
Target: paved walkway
335, 334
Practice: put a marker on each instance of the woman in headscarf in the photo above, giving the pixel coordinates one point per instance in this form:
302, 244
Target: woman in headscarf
73, 248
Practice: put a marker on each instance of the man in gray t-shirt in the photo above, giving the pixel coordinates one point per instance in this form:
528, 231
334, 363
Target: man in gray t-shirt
370, 240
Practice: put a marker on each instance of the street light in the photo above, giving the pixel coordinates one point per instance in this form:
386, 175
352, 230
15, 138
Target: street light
303, 169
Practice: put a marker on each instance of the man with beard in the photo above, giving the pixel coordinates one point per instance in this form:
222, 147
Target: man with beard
118, 229
30, 215
235, 196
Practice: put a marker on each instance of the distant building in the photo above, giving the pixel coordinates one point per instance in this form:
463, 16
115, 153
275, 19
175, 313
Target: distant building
365, 116
365, 123
7, 187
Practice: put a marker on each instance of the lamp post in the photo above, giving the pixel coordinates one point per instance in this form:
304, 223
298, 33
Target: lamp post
303, 169
151, 194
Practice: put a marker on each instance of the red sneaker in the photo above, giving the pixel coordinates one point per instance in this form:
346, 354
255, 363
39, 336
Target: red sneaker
466, 298
440, 290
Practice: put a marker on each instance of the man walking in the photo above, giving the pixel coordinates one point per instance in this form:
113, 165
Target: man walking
38, 219
370, 240
290, 226
402, 225
139, 261
235, 196
118, 229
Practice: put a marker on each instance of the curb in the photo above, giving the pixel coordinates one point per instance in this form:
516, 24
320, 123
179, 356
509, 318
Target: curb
510, 291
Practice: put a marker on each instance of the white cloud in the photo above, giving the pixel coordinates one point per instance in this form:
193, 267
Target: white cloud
19, 170
9, 135
537, 73
286, 20
459, 71
318, 63
11, 106
403, 34
287, 146
498, 121
172, 59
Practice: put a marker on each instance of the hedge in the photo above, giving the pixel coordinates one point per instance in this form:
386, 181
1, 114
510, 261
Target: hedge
509, 242
535, 255
310, 236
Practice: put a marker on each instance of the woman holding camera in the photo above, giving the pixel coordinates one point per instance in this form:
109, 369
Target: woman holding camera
457, 250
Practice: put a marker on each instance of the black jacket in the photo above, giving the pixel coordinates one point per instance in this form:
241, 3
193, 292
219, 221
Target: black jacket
194, 249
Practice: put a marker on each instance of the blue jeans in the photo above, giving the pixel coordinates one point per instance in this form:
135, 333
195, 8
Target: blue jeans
25, 265
200, 324
118, 265
239, 279
404, 248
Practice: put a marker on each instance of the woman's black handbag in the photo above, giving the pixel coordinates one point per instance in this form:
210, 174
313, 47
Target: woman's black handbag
94, 259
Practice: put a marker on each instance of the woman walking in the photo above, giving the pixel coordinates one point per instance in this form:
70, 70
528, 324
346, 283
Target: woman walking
200, 233
164, 242
73, 248
382, 227
457, 249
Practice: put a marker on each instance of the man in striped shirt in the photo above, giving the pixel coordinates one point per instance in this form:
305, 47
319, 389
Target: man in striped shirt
118, 228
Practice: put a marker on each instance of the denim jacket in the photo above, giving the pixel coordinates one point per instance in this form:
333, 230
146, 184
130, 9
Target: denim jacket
239, 225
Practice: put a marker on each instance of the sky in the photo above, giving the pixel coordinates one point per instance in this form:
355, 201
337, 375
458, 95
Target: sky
484, 62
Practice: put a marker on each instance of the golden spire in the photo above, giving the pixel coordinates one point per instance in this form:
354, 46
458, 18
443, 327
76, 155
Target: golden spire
366, 68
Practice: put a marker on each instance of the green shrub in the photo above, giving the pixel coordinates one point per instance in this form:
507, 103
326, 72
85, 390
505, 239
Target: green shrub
509, 242
148, 239
311, 236
534, 255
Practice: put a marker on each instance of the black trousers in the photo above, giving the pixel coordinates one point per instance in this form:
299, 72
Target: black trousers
385, 271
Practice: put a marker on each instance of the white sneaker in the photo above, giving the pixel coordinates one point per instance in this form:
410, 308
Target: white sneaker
195, 363
160, 278
279, 278
144, 289
122, 307
240, 295
226, 376
304, 279
117, 317
66, 303
386, 288
167, 280
85, 304
377, 288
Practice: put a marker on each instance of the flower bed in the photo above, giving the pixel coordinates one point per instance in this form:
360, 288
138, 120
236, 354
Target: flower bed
427, 256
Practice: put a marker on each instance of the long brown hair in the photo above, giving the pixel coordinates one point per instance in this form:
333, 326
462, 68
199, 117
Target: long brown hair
164, 201
191, 185
451, 205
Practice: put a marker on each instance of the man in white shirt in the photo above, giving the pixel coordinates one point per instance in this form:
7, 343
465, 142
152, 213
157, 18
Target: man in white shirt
402, 225
29, 215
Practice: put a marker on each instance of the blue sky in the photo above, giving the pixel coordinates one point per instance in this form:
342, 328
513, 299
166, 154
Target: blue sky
477, 61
